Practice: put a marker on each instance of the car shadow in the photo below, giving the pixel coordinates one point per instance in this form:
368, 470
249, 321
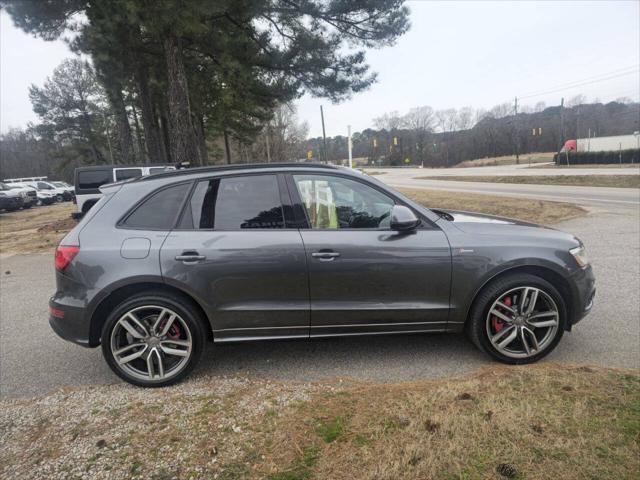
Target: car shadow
374, 358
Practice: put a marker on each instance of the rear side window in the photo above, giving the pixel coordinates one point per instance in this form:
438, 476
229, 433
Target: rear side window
235, 203
125, 173
93, 179
159, 211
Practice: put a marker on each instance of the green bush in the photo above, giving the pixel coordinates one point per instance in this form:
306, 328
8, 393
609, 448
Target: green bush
591, 158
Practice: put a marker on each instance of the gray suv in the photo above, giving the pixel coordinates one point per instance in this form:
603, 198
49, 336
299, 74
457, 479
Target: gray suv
163, 263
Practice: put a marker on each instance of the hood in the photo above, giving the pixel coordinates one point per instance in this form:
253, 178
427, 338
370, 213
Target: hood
482, 224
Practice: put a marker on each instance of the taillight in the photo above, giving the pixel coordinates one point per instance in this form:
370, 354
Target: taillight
64, 255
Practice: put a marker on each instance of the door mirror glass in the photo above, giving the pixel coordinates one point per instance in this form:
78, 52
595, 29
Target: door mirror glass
403, 218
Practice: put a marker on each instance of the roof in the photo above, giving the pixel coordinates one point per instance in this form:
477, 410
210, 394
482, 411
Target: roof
233, 167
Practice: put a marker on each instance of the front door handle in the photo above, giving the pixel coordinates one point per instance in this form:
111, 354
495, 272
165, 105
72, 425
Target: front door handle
190, 257
325, 256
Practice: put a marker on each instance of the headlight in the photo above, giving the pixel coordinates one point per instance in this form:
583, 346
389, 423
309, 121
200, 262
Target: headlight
580, 254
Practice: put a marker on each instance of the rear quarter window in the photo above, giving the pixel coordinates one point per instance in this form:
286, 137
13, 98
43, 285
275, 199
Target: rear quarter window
93, 179
160, 210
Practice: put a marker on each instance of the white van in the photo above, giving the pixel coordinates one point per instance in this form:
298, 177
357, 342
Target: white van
88, 180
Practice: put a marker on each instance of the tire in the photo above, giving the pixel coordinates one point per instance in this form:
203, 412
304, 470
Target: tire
59, 198
187, 325
27, 206
482, 327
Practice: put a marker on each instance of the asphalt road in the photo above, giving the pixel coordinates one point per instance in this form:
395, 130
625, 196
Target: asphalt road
588, 196
33, 360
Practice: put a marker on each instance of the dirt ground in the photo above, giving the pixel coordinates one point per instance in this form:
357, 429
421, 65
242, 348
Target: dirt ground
527, 158
37, 229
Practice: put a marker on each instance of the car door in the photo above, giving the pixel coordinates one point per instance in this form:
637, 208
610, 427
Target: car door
364, 277
231, 250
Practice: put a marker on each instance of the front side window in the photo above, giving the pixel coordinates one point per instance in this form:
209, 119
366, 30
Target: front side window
159, 211
340, 203
44, 186
235, 203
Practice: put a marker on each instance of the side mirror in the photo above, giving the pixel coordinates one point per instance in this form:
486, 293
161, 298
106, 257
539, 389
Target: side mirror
403, 218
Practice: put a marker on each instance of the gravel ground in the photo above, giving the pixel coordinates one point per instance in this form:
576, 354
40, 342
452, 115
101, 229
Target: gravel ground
35, 361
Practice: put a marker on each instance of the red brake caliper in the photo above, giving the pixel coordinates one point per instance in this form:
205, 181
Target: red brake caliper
497, 323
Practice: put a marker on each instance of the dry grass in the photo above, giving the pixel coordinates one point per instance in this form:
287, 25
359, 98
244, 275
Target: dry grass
595, 165
619, 181
508, 160
536, 211
544, 421
35, 230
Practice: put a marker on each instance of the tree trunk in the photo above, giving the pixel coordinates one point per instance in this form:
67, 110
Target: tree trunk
202, 139
152, 136
123, 129
141, 153
226, 147
184, 144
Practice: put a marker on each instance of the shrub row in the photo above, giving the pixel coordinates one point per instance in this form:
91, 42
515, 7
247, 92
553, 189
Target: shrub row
575, 158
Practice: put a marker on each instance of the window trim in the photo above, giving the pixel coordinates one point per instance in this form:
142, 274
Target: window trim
299, 208
120, 224
283, 195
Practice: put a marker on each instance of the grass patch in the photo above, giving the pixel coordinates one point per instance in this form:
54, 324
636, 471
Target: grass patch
537, 211
618, 181
537, 421
331, 430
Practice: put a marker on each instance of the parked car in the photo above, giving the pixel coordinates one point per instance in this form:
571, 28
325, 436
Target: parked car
44, 196
10, 199
88, 180
163, 263
68, 189
60, 194
29, 195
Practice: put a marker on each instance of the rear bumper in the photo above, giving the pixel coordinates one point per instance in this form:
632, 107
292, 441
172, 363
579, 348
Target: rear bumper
583, 284
69, 322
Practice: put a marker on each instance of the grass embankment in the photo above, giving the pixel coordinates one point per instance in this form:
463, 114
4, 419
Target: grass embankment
620, 181
542, 157
536, 211
37, 229
543, 421
587, 165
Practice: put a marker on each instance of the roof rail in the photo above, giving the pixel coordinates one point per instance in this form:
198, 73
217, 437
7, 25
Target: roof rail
240, 166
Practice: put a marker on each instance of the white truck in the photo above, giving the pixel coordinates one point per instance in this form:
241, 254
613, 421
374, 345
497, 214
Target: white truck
608, 144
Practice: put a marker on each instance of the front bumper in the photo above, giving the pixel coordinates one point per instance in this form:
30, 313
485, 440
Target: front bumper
583, 285
69, 322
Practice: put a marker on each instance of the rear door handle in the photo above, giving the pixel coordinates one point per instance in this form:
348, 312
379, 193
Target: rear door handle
325, 256
190, 257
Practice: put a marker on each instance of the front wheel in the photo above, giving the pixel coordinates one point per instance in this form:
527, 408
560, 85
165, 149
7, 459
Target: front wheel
152, 340
517, 319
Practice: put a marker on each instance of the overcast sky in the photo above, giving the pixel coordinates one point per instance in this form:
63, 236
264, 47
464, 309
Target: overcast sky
456, 54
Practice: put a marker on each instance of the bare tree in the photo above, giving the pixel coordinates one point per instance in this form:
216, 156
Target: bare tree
539, 107
465, 118
421, 121
576, 100
388, 121
447, 119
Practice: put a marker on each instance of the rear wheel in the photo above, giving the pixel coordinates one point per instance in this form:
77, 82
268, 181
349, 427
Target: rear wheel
152, 340
517, 319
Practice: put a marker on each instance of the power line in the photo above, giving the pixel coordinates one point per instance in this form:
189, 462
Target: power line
610, 77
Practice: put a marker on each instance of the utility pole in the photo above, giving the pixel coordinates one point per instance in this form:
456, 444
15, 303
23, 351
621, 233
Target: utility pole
562, 125
515, 109
324, 136
226, 147
349, 146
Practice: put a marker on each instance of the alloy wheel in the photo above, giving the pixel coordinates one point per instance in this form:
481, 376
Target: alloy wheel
522, 322
151, 343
